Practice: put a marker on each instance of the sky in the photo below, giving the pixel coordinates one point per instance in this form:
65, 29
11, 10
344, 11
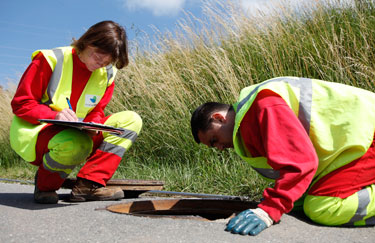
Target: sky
29, 25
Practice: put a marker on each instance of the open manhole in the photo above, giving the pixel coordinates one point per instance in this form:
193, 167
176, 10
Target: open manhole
200, 209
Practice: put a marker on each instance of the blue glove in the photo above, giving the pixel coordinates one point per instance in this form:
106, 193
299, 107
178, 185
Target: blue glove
246, 222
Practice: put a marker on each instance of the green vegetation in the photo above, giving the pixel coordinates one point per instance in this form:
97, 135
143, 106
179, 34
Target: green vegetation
213, 61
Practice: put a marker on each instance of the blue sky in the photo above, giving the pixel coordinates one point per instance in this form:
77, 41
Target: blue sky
28, 25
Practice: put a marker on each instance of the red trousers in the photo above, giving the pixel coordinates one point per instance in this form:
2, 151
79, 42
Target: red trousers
99, 167
348, 179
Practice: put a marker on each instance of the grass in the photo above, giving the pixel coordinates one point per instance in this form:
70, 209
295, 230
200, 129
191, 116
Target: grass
212, 60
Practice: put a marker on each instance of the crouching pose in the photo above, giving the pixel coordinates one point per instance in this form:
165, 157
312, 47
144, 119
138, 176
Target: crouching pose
314, 139
84, 74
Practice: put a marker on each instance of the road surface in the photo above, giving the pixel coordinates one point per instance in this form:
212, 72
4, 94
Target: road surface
24, 221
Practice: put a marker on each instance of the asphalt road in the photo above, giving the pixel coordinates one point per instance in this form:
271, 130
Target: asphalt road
24, 221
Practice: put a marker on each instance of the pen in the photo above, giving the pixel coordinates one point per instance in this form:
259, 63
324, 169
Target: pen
70, 106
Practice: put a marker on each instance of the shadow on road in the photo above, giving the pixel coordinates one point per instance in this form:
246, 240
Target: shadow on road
300, 215
26, 201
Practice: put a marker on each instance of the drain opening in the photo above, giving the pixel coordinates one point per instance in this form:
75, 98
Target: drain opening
200, 209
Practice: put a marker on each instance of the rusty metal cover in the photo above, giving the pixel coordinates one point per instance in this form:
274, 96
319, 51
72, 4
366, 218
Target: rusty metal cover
201, 209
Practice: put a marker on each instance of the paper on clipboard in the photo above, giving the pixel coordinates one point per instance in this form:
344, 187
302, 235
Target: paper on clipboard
85, 126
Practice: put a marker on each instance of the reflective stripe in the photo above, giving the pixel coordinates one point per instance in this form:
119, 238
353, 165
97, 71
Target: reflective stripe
115, 149
363, 201
128, 134
62, 174
46, 166
111, 148
268, 173
305, 87
56, 75
109, 73
50, 165
54, 164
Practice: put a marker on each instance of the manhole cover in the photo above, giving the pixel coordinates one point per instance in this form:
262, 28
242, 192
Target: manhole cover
131, 188
200, 209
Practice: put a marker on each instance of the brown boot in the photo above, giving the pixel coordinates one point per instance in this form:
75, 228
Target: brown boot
49, 197
86, 190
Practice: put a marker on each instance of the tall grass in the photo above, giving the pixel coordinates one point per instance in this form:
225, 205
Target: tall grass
212, 59
8, 158
227, 51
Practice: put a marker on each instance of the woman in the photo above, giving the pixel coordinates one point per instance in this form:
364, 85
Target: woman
84, 75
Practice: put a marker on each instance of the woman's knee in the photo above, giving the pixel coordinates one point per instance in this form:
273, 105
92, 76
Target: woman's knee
70, 147
129, 120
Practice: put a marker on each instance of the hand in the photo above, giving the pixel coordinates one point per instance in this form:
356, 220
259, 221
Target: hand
247, 222
66, 115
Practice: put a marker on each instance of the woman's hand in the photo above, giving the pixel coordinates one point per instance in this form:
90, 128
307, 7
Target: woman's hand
66, 115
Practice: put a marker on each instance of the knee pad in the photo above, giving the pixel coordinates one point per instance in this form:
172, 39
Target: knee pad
70, 147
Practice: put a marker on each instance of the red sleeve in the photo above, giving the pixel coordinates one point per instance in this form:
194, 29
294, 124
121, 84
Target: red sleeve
97, 114
270, 129
26, 101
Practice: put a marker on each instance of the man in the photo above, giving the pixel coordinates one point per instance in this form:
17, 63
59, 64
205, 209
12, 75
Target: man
314, 139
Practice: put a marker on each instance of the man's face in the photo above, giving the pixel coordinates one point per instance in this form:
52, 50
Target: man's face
219, 135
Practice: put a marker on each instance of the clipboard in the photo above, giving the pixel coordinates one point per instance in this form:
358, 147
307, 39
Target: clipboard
85, 126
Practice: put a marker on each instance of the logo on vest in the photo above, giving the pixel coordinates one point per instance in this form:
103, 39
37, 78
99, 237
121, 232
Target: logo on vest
91, 100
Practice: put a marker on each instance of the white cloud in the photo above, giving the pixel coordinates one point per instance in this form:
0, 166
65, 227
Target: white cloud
266, 6
252, 4
157, 7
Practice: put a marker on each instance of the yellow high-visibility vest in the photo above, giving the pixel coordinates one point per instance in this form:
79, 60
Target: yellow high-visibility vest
339, 119
23, 135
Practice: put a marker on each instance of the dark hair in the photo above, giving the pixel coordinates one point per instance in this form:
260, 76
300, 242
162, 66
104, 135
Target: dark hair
110, 38
201, 117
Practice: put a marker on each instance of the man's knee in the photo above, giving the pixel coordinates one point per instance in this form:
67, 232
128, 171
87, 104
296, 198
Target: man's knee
330, 210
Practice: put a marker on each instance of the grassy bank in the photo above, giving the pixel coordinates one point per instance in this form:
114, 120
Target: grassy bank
212, 61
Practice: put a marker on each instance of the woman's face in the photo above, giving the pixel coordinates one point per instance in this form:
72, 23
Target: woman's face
94, 59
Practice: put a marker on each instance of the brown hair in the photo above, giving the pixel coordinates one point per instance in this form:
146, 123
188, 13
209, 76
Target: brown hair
201, 118
110, 38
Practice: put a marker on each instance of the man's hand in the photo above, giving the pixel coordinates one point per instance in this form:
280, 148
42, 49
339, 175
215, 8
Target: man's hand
250, 221
66, 115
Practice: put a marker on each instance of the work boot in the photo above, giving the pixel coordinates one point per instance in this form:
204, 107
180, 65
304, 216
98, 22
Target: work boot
86, 190
44, 197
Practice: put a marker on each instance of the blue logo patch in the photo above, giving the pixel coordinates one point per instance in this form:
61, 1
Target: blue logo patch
91, 100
